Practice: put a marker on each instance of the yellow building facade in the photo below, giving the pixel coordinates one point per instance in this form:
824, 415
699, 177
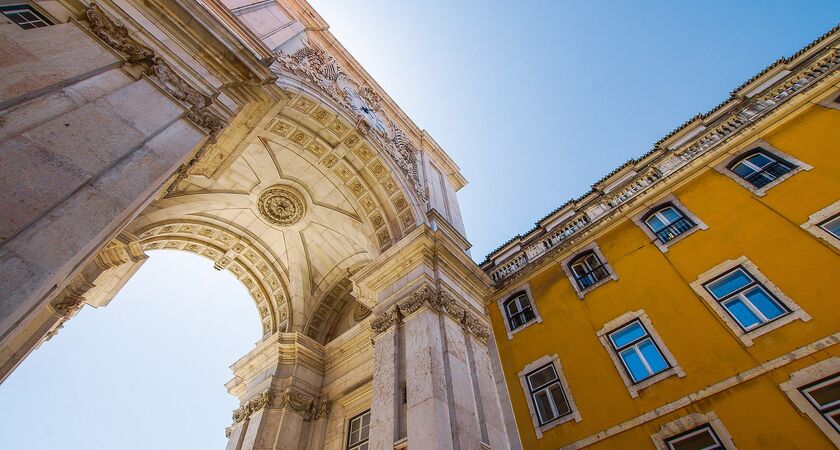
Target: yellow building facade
690, 300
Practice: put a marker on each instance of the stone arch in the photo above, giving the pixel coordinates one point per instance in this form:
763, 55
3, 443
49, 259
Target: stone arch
332, 297
230, 251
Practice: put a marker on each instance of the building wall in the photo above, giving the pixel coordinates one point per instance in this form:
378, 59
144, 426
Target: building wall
764, 229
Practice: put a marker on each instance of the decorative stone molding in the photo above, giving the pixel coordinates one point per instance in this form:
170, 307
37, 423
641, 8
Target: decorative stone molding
320, 409
116, 36
821, 370
281, 206
319, 68
360, 312
251, 406
438, 301
691, 421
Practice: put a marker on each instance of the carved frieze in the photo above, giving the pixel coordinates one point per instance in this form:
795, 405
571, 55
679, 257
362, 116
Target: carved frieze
251, 406
438, 301
319, 68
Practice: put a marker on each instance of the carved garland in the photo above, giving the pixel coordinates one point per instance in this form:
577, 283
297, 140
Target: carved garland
287, 399
440, 302
116, 36
362, 102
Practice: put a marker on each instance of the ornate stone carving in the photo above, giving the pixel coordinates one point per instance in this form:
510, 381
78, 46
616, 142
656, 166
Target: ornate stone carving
280, 206
320, 409
383, 322
440, 302
319, 68
360, 312
293, 401
117, 37
251, 406
416, 300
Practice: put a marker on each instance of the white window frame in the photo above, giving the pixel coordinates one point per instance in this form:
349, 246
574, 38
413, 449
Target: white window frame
765, 146
815, 221
808, 375
526, 288
673, 201
747, 337
593, 247
523, 380
17, 8
614, 325
689, 422
350, 428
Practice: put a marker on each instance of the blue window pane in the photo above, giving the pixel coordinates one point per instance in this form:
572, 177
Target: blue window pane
833, 227
759, 160
652, 355
671, 214
634, 364
627, 335
764, 303
655, 223
742, 170
741, 313
729, 284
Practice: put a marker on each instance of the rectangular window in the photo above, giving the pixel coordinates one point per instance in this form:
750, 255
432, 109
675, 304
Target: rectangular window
519, 311
359, 432
25, 16
832, 226
668, 222
637, 351
700, 438
745, 299
824, 395
547, 394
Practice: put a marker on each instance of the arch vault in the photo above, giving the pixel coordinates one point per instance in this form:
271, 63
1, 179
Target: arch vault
245, 133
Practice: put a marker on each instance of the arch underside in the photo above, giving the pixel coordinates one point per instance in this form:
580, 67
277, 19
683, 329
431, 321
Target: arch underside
356, 201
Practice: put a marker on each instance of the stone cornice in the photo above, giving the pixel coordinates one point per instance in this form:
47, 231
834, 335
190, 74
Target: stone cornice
288, 399
578, 217
437, 300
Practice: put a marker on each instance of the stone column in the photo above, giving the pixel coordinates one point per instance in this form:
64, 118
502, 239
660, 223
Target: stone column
384, 413
279, 385
427, 288
427, 382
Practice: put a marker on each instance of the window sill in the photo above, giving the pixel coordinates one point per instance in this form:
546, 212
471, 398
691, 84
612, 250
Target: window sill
527, 324
582, 293
647, 382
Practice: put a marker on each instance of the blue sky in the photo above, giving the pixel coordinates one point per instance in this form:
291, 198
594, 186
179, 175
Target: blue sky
534, 100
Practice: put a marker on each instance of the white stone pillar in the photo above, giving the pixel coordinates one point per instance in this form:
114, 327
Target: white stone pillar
464, 408
426, 382
384, 413
490, 407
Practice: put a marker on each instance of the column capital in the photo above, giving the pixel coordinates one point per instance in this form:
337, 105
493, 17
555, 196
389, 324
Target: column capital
439, 301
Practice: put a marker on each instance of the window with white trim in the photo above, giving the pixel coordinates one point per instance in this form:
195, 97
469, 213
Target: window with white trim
588, 270
639, 355
667, 222
358, 433
25, 16
815, 392
547, 394
832, 226
519, 311
745, 299
824, 396
700, 438
638, 352
760, 167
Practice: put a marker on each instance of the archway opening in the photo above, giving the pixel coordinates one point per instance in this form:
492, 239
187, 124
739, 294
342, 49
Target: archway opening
147, 371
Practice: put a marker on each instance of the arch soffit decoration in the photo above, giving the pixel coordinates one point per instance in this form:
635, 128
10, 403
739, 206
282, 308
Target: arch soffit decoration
332, 295
322, 137
264, 280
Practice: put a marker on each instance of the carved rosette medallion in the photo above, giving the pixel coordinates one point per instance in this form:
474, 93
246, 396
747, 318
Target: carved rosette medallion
280, 206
